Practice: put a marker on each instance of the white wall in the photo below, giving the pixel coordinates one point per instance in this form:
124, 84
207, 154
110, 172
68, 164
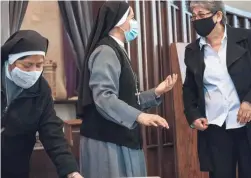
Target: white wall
65, 111
243, 5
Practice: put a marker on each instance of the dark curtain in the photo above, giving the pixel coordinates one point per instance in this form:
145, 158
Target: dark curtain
77, 17
17, 11
12, 14
5, 27
69, 65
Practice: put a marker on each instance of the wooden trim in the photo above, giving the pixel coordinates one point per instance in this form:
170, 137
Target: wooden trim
65, 101
72, 100
185, 138
73, 122
68, 129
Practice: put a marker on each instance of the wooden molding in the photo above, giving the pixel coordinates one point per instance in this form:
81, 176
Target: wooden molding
71, 126
49, 74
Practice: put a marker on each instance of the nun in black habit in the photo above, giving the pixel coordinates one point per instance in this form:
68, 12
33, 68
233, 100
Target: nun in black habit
110, 104
27, 107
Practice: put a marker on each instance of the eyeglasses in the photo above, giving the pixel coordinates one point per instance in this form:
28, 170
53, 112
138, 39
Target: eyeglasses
200, 16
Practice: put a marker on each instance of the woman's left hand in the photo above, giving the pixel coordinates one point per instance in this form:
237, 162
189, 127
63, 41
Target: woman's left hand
166, 85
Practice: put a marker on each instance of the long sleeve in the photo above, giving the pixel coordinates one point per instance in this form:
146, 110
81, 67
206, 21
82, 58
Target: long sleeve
190, 98
105, 72
148, 99
248, 96
52, 137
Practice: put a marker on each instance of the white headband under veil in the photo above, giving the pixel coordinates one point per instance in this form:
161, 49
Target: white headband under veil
123, 19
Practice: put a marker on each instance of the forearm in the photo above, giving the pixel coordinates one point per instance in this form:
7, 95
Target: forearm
52, 137
58, 150
148, 99
191, 108
104, 83
117, 111
190, 98
191, 115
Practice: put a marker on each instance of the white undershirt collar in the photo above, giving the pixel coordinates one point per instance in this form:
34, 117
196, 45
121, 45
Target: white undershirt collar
118, 41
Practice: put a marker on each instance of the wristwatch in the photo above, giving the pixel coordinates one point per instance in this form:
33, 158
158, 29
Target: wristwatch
192, 126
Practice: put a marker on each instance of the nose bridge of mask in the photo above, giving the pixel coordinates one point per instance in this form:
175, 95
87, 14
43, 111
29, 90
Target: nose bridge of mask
133, 24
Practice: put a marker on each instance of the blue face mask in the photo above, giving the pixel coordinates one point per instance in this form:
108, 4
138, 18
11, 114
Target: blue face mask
133, 32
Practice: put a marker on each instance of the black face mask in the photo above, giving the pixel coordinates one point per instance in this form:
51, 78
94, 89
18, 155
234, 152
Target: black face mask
204, 26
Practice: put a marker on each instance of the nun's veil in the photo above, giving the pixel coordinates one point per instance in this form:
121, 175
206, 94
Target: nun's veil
23, 41
109, 15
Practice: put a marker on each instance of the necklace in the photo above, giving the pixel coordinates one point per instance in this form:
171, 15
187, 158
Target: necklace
137, 93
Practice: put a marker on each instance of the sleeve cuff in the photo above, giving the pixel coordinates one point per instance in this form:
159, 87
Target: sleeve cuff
132, 123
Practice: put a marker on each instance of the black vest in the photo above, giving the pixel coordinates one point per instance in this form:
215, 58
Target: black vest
95, 126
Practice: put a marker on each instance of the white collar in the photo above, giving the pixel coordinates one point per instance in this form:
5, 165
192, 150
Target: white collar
118, 41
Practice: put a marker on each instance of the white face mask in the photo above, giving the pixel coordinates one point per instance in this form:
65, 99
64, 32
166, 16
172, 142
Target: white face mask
24, 79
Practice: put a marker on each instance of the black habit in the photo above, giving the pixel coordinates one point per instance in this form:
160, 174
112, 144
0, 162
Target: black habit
30, 112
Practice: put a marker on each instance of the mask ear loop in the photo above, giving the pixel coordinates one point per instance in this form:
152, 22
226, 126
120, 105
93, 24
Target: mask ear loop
124, 33
125, 30
122, 29
214, 15
129, 24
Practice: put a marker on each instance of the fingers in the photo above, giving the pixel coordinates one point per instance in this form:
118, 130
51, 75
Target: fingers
201, 124
152, 123
161, 121
249, 117
158, 121
170, 81
244, 116
239, 116
152, 120
204, 122
175, 77
202, 127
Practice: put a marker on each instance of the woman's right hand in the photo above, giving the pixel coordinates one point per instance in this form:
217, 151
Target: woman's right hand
152, 120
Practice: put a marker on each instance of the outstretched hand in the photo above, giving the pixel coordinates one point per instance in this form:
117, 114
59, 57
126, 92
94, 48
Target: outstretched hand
166, 85
152, 120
